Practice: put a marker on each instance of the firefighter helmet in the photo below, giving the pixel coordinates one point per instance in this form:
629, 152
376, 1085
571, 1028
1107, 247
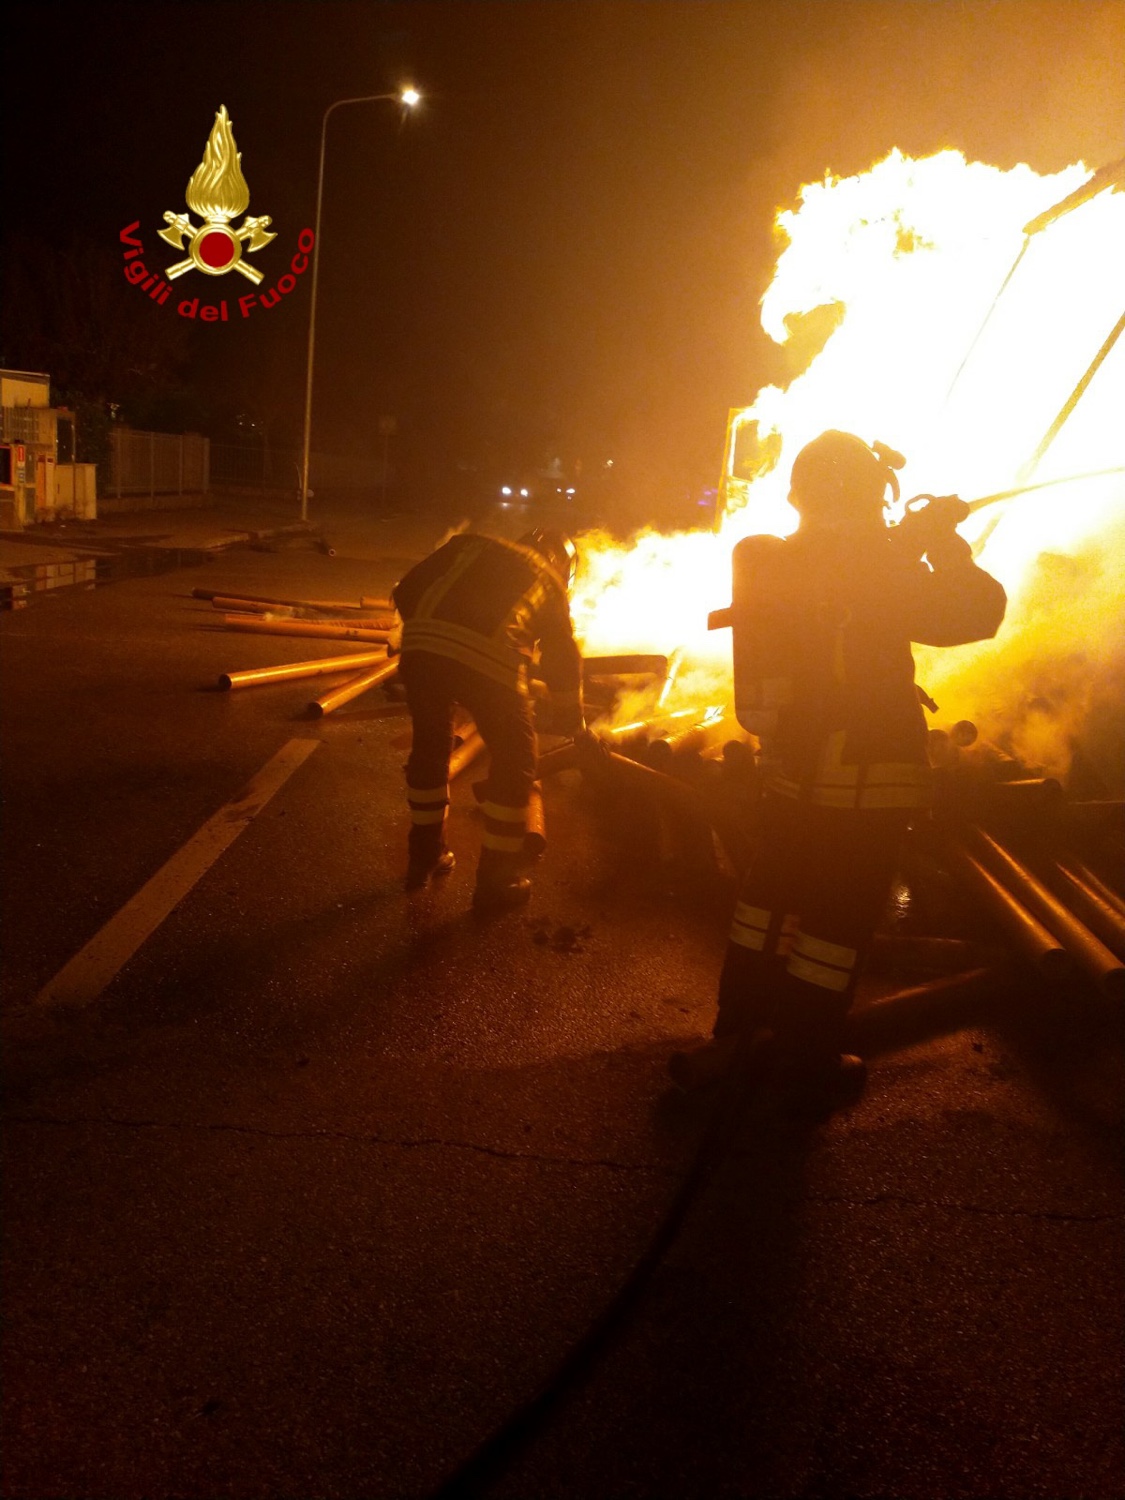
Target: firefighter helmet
556, 548
838, 477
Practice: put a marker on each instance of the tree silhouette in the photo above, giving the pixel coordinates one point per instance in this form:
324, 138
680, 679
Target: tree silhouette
68, 311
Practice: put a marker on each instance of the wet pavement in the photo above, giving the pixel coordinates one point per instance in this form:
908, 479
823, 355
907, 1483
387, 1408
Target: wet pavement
89, 554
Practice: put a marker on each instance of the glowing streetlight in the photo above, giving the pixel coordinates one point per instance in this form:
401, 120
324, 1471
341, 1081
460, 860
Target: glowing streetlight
408, 97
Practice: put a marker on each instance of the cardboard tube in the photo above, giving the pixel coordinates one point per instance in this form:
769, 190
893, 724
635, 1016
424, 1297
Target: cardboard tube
1089, 952
256, 676
644, 778
321, 604
315, 612
535, 838
661, 753
232, 603
467, 751
352, 688
695, 736
1102, 918
1079, 871
1028, 934
310, 612
893, 1019
335, 631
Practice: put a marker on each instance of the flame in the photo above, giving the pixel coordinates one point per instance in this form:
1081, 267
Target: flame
897, 271
217, 190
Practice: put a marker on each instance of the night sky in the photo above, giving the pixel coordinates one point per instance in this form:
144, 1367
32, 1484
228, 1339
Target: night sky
561, 252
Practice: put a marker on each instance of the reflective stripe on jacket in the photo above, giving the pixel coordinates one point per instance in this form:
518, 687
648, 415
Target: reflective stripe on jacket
823, 671
489, 604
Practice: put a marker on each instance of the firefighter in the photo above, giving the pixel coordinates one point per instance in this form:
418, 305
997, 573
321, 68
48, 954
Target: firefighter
474, 613
822, 624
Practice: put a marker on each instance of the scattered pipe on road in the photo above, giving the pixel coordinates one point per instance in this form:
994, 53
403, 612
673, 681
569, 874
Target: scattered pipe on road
366, 605
1032, 796
325, 667
236, 605
335, 631
352, 688
891, 1020
1091, 955
535, 838
663, 752
1103, 919
467, 751
1028, 935
1078, 871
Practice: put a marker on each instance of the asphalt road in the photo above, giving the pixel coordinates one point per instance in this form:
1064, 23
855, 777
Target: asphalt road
327, 1179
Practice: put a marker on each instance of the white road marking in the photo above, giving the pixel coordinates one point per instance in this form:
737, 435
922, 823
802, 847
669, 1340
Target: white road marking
86, 975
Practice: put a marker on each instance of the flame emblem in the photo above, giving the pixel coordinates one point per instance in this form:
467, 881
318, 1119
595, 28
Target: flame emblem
218, 193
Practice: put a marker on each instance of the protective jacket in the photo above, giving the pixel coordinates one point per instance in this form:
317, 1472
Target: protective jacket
490, 604
823, 672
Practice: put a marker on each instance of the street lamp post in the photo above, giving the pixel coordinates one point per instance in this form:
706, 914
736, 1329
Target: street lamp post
408, 98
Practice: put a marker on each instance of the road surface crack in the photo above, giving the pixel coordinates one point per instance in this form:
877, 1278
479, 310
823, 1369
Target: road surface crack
953, 1206
356, 1137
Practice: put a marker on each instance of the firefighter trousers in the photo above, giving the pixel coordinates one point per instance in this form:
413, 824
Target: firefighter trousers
434, 686
806, 914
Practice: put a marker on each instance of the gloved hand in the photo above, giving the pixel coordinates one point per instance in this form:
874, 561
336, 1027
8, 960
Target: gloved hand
929, 527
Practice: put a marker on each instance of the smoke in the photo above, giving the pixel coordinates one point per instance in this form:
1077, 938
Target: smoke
1004, 81
1049, 689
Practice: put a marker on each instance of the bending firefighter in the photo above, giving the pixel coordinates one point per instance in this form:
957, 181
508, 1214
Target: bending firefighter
823, 674
474, 613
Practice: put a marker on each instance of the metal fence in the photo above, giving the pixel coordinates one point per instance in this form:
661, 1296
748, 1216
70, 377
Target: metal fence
157, 463
257, 467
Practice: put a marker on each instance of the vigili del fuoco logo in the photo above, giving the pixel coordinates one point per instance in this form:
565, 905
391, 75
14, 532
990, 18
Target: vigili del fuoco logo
217, 192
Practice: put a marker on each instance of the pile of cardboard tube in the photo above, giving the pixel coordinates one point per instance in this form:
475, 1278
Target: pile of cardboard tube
338, 620
1060, 916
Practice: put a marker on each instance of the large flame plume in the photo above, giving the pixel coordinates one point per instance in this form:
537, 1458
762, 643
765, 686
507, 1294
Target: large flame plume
217, 190
900, 267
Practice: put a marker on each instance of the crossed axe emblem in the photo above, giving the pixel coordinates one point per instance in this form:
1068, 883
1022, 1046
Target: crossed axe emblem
206, 249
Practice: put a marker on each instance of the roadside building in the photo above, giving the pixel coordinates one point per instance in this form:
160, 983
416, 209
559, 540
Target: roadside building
39, 478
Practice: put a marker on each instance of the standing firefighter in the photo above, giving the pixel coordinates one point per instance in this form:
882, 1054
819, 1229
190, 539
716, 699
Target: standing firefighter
824, 675
474, 612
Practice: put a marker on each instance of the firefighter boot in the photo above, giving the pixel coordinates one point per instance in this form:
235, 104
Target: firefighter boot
815, 1086
700, 1067
500, 886
747, 1055
427, 856
815, 1074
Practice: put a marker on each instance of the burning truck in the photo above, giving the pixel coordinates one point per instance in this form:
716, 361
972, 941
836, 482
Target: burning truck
966, 314
963, 313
